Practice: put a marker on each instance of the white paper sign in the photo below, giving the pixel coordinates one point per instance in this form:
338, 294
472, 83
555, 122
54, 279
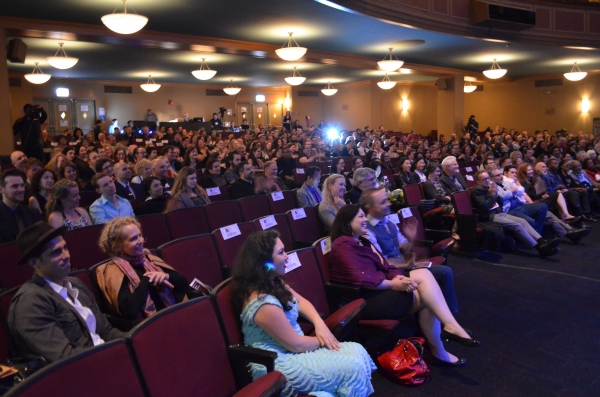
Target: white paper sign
197, 284
64, 123
230, 231
139, 140
292, 262
298, 213
406, 213
469, 177
326, 245
159, 144
469, 169
598, 177
62, 108
277, 196
19, 142
394, 218
267, 222
165, 141
213, 191
73, 143
299, 170
84, 108
52, 143
152, 139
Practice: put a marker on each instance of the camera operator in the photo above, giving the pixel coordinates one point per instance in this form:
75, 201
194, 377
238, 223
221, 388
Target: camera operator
28, 127
472, 125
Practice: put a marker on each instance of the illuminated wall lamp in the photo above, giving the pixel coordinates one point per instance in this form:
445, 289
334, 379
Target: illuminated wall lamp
404, 104
585, 105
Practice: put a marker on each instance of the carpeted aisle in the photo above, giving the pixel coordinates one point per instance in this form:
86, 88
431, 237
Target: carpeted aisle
539, 323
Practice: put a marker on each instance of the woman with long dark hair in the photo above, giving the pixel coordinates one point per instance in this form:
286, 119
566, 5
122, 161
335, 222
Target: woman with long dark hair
269, 310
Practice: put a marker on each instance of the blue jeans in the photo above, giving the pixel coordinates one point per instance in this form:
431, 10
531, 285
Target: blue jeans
534, 214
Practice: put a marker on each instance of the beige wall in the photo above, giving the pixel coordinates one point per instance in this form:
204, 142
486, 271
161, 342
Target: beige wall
521, 106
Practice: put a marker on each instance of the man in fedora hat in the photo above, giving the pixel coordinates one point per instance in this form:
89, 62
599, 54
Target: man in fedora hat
52, 315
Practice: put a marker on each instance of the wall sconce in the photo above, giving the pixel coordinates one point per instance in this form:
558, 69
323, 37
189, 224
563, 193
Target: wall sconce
288, 103
585, 105
404, 104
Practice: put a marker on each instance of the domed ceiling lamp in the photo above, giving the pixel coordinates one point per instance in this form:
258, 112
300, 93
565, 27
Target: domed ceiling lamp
204, 72
150, 86
386, 83
329, 90
231, 88
124, 23
291, 53
37, 76
391, 64
495, 72
575, 74
62, 61
469, 87
295, 78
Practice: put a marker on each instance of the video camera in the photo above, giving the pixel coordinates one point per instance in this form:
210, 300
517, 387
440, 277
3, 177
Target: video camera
33, 112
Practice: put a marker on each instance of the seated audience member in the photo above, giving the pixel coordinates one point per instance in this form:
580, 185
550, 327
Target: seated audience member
56, 162
212, 175
309, 193
156, 201
230, 175
334, 188
338, 165
269, 308
364, 178
119, 155
17, 159
395, 247
107, 166
244, 185
579, 179
388, 292
419, 170
451, 180
108, 151
69, 171
356, 164
255, 157
285, 166
41, 189
142, 170
190, 159
577, 198
87, 170
405, 175
485, 197
274, 182
589, 166
63, 207
31, 166
135, 284
139, 154
172, 153
52, 315
160, 170
433, 190
69, 153
14, 214
126, 189
186, 191
109, 205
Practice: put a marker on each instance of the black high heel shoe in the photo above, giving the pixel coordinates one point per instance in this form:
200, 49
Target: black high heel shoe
441, 363
463, 341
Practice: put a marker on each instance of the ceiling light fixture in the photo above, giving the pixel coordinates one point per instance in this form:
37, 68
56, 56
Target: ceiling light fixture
62, 61
495, 72
204, 72
386, 84
390, 64
124, 23
575, 74
295, 78
150, 86
231, 89
469, 87
37, 76
291, 53
329, 90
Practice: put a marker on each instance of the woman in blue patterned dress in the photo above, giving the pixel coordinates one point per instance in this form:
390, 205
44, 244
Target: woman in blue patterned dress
315, 365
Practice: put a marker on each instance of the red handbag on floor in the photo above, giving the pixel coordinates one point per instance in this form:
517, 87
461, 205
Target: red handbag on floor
404, 364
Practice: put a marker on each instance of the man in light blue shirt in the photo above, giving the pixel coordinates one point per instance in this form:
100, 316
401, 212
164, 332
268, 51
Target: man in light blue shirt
309, 194
109, 205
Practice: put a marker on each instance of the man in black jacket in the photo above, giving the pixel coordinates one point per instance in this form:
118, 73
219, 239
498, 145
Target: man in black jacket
485, 197
451, 180
244, 185
14, 216
52, 315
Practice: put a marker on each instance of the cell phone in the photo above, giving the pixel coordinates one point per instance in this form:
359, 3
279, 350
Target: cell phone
422, 265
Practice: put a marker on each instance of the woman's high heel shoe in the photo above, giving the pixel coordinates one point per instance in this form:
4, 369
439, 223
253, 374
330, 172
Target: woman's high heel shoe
441, 363
463, 341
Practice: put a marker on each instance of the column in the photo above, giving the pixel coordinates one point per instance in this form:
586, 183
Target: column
451, 106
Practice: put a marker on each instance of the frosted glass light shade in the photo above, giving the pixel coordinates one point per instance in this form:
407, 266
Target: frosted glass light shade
37, 76
329, 90
469, 87
390, 64
124, 23
60, 60
386, 83
204, 72
495, 72
295, 78
231, 89
150, 86
575, 74
291, 52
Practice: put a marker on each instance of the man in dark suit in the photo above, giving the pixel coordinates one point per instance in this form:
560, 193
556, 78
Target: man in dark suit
14, 216
52, 315
451, 180
126, 189
244, 185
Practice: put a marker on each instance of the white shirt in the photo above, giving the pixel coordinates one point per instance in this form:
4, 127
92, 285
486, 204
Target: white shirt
85, 313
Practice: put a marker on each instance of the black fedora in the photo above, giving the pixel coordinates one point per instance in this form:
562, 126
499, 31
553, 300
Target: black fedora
35, 236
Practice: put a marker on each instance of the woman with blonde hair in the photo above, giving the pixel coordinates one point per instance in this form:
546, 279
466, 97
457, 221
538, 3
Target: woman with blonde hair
142, 170
334, 189
63, 207
56, 162
135, 284
186, 192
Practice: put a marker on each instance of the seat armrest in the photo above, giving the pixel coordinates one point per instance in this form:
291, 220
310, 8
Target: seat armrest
483, 214
253, 355
265, 386
302, 244
437, 235
342, 323
422, 243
